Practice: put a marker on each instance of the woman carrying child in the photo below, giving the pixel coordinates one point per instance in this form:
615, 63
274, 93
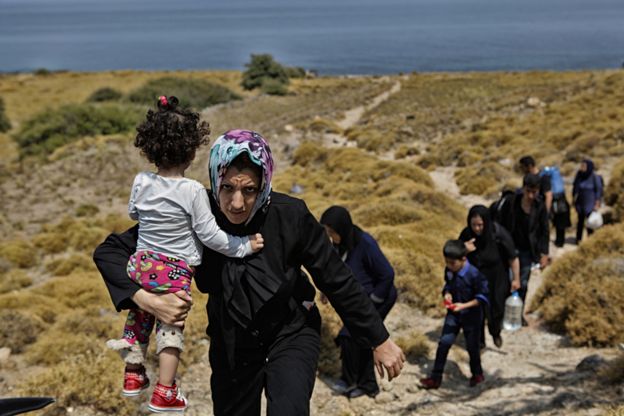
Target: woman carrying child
175, 219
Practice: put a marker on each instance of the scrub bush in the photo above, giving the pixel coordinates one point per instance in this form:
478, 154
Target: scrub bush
262, 69
18, 330
85, 379
273, 87
76, 262
105, 94
14, 279
5, 124
20, 253
583, 291
613, 373
194, 93
414, 346
614, 192
56, 127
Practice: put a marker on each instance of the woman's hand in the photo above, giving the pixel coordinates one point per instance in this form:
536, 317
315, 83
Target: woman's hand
388, 355
257, 242
470, 245
169, 308
515, 284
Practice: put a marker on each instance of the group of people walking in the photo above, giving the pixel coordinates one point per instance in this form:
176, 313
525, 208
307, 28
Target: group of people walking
245, 245
496, 252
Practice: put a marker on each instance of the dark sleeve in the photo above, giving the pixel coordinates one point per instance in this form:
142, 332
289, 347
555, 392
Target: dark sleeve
336, 281
505, 242
545, 184
380, 268
111, 258
544, 232
464, 235
208, 273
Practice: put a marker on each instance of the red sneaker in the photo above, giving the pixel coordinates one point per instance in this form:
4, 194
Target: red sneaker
167, 399
474, 380
135, 381
430, 383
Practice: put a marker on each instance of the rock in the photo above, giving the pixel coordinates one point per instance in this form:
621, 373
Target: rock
384, 397
591, 363
534, 102
289, 128
5, 353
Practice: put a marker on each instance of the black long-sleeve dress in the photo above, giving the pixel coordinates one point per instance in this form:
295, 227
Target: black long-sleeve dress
261, 334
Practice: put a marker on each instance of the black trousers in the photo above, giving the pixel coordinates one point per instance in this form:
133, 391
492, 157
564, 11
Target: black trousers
499, 287
580, 226
452, 325
358, 366
285, 370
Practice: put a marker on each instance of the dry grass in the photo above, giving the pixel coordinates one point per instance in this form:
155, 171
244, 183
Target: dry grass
583, 291
415, 346
480, 123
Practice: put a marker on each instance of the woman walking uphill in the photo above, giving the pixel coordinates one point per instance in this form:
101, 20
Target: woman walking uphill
372, 270
587, 193
492, 251
263, 325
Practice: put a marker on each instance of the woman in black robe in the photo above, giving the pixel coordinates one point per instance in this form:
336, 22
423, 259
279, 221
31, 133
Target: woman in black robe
263, 326
491, 250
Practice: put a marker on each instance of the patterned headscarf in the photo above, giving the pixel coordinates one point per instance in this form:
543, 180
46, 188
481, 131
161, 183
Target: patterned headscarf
228, 147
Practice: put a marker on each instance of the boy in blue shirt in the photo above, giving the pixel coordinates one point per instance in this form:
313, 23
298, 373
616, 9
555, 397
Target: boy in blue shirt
465, 290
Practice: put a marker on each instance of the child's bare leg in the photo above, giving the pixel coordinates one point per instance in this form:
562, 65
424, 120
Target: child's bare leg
168, 360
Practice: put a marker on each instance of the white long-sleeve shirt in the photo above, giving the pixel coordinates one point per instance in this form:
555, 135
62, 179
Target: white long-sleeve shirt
175, 219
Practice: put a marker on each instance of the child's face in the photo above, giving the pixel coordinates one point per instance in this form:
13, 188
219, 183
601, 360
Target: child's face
454, 265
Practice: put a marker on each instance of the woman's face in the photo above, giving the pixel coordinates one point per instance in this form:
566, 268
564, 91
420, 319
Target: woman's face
333, 235
238, 193
583, 167
477, 225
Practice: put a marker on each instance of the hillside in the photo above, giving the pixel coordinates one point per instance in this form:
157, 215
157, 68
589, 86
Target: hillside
406, 154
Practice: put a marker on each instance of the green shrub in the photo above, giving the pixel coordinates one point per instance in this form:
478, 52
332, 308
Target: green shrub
195, 93
273, 87
295, 72
5, 124
104, 94
262, 68
54, 128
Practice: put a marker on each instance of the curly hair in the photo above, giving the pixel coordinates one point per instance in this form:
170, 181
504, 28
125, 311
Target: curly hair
170, 136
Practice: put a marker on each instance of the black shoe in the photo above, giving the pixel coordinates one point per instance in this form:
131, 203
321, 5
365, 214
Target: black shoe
498, 341
358, 392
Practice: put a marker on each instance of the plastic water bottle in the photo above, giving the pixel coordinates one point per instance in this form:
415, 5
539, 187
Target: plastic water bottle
513, 313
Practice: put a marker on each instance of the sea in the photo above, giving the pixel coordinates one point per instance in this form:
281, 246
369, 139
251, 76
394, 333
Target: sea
331, 37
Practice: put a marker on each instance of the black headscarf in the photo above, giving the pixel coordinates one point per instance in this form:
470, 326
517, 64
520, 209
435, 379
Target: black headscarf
487, 255
581, 176
338, 219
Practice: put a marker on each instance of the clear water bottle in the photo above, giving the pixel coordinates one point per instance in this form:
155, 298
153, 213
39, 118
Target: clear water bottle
513, 313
